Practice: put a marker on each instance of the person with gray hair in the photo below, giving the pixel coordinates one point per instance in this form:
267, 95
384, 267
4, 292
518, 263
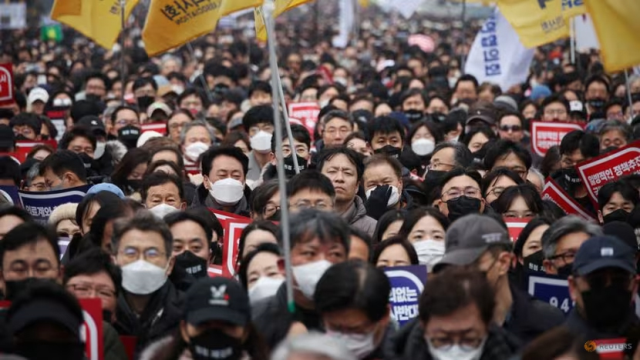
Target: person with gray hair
614, 133
561, 241
336, 126
312, 346
319, 239
170, 64
33, 180
535, 178
149, 306
196, 138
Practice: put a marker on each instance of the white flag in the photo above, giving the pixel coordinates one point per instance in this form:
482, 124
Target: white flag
497, 55
406, 8
586, 37
347, 17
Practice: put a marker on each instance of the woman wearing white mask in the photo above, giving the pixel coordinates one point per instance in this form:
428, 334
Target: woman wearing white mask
196, 137
260, 273
352, 299
423, 138
455, 321
425, 229
319, 239
223, 188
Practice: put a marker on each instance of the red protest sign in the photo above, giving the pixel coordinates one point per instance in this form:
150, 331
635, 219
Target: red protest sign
515, 226
552, 191
307, 113
23, 147
545, 135
157, 127
232, 232
6, 84
129, 343
609, 167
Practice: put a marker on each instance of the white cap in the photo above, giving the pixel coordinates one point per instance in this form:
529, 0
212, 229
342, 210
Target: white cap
37, 94
146, 136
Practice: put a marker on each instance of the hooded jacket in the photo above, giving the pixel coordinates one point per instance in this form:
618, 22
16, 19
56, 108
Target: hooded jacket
356, 216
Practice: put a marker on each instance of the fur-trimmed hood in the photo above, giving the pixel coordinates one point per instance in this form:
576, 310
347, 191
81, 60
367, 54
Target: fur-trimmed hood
117, 151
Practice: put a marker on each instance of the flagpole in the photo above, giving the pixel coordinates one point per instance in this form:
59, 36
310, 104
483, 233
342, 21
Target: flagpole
572, 40
628, 87
122, 62
464, 36
201, 76
268, 9
283, 103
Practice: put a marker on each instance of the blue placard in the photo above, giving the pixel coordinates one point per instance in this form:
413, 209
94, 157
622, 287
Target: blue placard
407, 283
10, 195
41, 204
551, 289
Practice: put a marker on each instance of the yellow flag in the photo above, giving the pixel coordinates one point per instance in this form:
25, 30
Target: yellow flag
573, 8
364, 3
281, 7
537, 22
261, 27
617, 27
231, 6
97, 20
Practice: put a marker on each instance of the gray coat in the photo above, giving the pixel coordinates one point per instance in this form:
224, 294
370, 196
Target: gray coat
357, 217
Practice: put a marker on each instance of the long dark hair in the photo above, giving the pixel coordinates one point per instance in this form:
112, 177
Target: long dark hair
130, 161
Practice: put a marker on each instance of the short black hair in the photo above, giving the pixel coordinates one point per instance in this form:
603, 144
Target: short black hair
556, 98
91, 262
259, 85
115, 112
466, 77
503, 148
527, 191
97, 75
517, 114
353, 157
588, 144
144, 81
160, 178
9, 170
64, 160
299, 132
411, 93
13, 210
385, 125
462, 156
231, 151
458, 171
210, 218
492, 177
381, 159
189, 92
396, 240
26, 234
596, 78
354, 284
311, 180
75, 132
625, 190
261, 194
27, 119
261, 114
182, 216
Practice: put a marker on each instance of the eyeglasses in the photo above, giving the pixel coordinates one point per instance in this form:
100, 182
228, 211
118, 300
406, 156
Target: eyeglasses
468, 191
566, 257
125, 122
151, 254
85, 290
552, 112
497, 191
437, 165
513, 128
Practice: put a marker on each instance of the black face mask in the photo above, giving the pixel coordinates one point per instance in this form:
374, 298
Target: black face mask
44, 137
145, 101
215, 344
86, 160
565, 271
606, 308
289, 168
389, 150
134, 185
618, 215
414, 115
438, 117
596, 104
129, 135
569, 178
220, 89
462, 206
21, 137
534, 261
192, 264
433, 178
275, 216
50, 350
14, 287
92, 98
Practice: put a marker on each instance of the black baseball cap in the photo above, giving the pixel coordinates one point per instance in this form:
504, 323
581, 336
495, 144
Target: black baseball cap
481, 114
601, 252
217, 299
468, 238
44, 310
94, 124
622, 231
7, 137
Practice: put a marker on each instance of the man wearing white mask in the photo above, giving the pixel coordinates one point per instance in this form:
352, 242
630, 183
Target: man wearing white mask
224, 170
318, 240
258, 124
149, 306
196, 137
162, 194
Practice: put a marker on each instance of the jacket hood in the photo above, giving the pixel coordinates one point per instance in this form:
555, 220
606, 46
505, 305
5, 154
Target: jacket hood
116, 149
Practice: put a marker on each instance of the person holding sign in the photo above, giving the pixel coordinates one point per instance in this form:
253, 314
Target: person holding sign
456, 312
602, 285
352, 299
482, 243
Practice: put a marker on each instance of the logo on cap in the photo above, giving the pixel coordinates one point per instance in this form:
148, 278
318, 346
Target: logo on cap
606, 251
219, 295
492, 238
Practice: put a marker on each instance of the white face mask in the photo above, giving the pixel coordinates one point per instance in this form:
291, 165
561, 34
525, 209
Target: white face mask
100, 147
324, 103
423, 147
455, 352
264, 288
429, 251
162, 210
227, 191
308, 275
360, 345
261, 142
142, 277
193, 151
393, 199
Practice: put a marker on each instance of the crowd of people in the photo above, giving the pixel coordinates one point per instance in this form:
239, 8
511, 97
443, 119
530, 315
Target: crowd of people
410, 162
